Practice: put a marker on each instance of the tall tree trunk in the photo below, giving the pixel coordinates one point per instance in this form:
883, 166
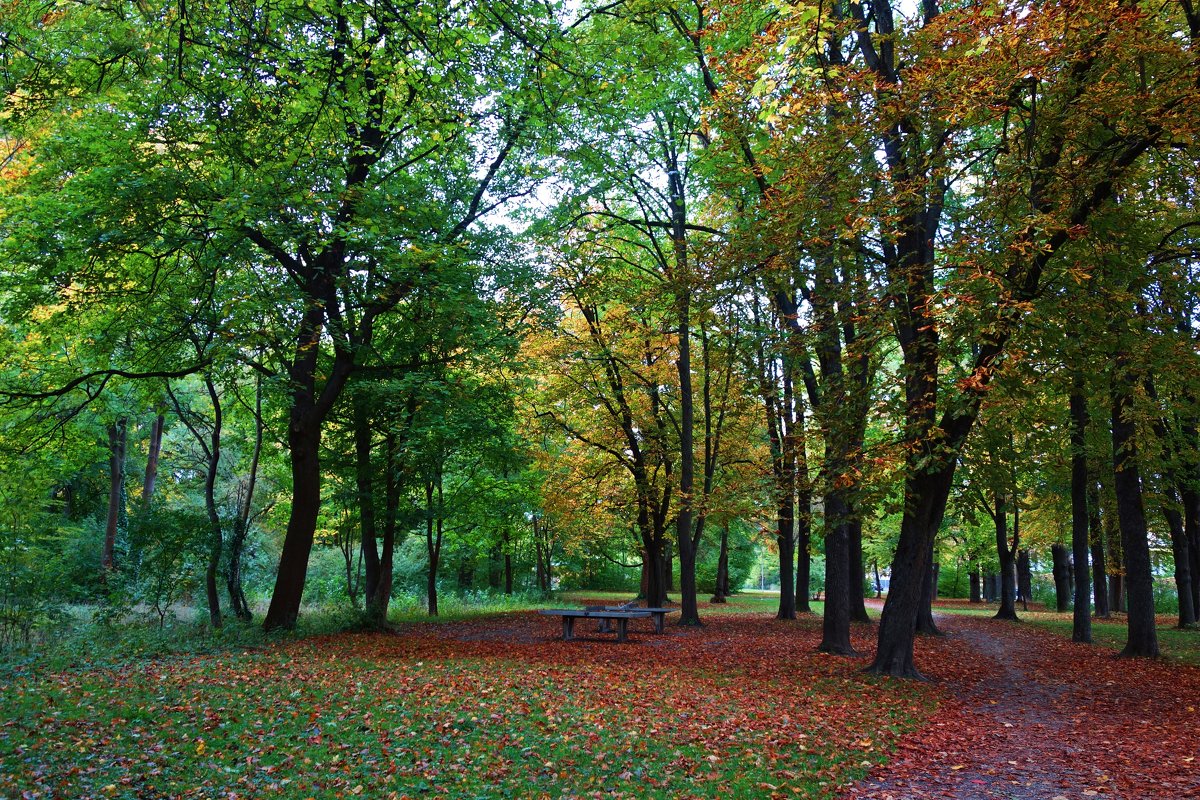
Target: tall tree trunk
1189, 491
1191, 528
1170, 486
433, 542
689, 609
216, 541
928, 492
304, 444
651, 527
835, 622
233, 578
306, 416
1080, 518
721, 590
785, 540
495, 564
925, 622
116, 493
975, 595
152, 456
377, 602
1061, 560
365, 486
803, 515
508, 573
1006, 555
466, 572
1182, 559
1096, 540
1024, 578
668, 565
241, 520
858, 575
1142, 635
783, 465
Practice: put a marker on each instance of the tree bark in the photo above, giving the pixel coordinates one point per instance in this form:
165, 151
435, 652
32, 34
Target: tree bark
925, 622
116, 494
304, 444
1080, 518
365, 486
928, 492
975, 594
1099, 567
1170, 489
1024, 578
1191, 527
216, 534
305, 419
377, 603
433, 542
152, 457
785, 540
689, 609
858, 575
721, 590
233, 578
835, 623
1116, 562
1142, 635
803, 514
1062, 580
1006, 555
1182, 559
241, 521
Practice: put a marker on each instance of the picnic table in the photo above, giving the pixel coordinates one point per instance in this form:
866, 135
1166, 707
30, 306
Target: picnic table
659, 614
569, 615
606, 615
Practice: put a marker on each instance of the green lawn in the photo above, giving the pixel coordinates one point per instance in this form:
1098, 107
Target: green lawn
1176, 645
492, 706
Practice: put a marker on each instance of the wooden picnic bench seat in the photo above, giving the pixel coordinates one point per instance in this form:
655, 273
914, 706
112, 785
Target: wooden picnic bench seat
569, 615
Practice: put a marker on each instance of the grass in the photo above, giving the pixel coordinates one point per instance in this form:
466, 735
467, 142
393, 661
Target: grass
1177, 645
490, 706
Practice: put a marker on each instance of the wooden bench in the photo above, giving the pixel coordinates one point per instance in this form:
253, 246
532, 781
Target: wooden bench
569, 615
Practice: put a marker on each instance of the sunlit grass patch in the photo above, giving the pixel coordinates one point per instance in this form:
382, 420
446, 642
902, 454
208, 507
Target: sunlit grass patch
741, 708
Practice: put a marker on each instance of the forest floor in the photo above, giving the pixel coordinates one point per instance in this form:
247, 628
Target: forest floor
1025, 713
500, 706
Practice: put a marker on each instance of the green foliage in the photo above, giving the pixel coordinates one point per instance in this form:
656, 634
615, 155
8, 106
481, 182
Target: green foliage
29, 600
743, 555
168, 547
325, 583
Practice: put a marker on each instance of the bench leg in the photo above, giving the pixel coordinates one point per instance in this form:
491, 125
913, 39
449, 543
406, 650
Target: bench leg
658, 622
605, 625
622, 629
568, 628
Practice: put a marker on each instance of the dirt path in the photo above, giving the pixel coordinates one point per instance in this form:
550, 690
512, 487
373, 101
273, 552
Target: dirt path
1027, 714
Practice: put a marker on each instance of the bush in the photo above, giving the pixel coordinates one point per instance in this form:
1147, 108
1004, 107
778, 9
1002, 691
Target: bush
78, 561
168, 554
954, 581
325, 582
1166, 599
27, 589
